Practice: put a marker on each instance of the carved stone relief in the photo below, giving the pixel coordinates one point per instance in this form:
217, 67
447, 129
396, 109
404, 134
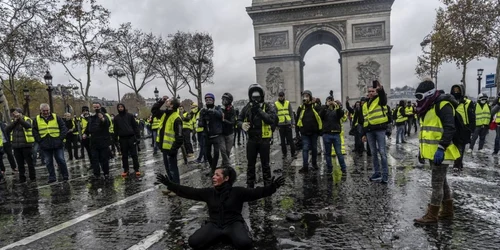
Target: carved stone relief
340, 26
367, 32
274, 83
369, 70
274, 40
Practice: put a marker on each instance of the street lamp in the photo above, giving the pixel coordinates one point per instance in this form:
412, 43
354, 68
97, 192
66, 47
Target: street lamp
178, 97
26, 93
479, 78
157, 94
48, 80
117, 73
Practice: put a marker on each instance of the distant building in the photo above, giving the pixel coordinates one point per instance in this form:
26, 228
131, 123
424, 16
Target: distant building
405, 93
150, 102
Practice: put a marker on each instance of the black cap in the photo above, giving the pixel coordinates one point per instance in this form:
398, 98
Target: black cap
281, 93
424, 86
85, 108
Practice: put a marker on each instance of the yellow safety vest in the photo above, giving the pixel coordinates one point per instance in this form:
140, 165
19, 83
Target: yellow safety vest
318, 119
401, 118
111, 126
482, 114
1, 139
462, 110
409, 110
28, 134
266, 130
374, 115
186, 125
195, 122
156, 123
283, 112
75, 127
169, 133
48, 128
84, 123
431, 132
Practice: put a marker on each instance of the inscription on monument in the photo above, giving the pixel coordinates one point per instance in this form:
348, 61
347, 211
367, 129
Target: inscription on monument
367, 32
274, 40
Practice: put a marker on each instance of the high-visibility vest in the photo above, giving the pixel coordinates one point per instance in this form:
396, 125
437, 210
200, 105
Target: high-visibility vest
195, 122
48, 128
169, 132
462, 110
83, 123
375, 114
342, 144
75, 128
186, 125
482, 114
431, 132
156, 123
111, 126
401, 118
266, 130
316, 115
1, 139
283, 112
409, 110
28, 134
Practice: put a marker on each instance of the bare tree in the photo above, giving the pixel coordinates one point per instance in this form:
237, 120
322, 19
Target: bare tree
164, 66
82, 37
429, 63
196, 66
134, 52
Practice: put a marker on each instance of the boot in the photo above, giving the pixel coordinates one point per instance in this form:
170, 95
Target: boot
446, 212
430, 217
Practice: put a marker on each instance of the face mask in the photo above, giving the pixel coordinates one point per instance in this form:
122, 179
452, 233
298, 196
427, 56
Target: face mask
256, 99
482, 101
457, 96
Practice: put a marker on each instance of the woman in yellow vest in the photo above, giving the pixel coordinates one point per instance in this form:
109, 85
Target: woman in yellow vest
483, 118
401, 119
436, 114
310, 126
22, 142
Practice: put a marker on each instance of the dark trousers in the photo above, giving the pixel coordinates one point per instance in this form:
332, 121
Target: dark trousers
201, 144
85, 145
25, 155
211, 234
359, 147
58, 155
237, 133
212, 143
459, 162
286, 137
409, 124
480, 132
115, 146
100, 159
170, 162
128, 147
7, 149
263, 150
186, 133
72, 146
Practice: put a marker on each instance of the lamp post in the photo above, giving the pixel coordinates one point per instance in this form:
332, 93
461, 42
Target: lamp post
157, 94
48, 80
479, 78
178, 97
117, 73
26, 93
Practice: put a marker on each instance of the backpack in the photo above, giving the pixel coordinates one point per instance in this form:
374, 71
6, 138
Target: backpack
462, 131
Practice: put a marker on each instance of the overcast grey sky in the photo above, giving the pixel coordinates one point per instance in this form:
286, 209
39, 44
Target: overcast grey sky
232, 32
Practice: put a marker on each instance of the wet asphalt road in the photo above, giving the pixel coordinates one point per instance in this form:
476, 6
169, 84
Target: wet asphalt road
337, 212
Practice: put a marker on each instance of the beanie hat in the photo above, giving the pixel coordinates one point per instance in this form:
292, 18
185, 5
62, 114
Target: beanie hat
425, 86
209, 95
85, 108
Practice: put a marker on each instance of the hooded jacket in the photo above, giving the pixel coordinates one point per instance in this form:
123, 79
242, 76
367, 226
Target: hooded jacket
98, 131
331, 117
125, 125
471, 112
310, 125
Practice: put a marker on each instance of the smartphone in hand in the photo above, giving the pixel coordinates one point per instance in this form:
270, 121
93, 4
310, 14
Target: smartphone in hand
375, 84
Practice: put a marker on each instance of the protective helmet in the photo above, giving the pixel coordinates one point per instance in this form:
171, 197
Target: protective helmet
482, 96
256, 88
228, 96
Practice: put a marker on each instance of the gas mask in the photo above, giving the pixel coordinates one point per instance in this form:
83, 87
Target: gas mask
482, 100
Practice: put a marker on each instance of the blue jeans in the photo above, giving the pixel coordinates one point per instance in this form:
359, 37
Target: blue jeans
376, 140
58, 154
309, 142
201, 145
497, 140
170, 161
155, 144
400, 133
328, 141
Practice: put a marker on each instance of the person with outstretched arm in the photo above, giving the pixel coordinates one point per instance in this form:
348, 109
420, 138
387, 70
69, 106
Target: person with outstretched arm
224, 203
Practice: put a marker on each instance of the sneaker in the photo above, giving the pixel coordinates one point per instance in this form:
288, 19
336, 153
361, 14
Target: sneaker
480, 150
137, 174
376, 177
315, 166
51, 181
470, 150
65, 178
166, 191
385, 179
124, 174
304, 170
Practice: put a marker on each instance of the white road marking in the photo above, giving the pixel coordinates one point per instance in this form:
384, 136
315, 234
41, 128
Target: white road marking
149, 241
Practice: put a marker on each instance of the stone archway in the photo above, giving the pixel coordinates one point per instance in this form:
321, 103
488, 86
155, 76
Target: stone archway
286, 29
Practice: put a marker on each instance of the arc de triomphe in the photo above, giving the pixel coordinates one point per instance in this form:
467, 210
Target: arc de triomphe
286, 29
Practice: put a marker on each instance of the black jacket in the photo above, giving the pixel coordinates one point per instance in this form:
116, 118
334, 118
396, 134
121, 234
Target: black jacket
98, 130
16, 128
211, 121
447, 119
7, 137
224, 203
125, 125
255, 115
229, 120
357, 114
49, 142
179, 139
310, 125
331, 119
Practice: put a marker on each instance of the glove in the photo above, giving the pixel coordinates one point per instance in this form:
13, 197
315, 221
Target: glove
280, 181
439, 157
163, 179
245, 126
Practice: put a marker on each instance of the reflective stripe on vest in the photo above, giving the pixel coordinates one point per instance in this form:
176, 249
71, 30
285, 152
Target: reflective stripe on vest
431, 133
75, 128
28, 134
266, 130
462, 110
482, 115
156, 123
51, 128
400, 117
409, 111
84, 123
169, 132
374, 115
186, 125
111, 126
283, 112
195, 122
318, 119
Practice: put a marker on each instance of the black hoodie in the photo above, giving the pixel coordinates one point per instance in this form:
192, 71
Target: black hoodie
125, 124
